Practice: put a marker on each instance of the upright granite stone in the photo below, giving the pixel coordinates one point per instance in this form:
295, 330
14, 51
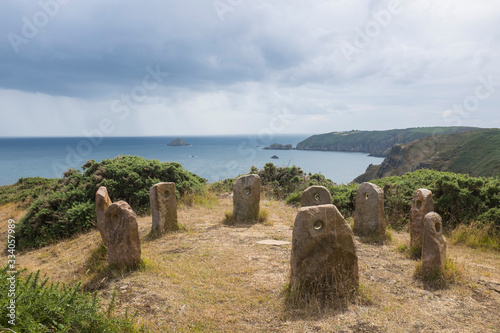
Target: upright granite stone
246, 198
433, 244
369, 216
163, 208
122, 233
102, 202
324, 254
422, 204
315, 196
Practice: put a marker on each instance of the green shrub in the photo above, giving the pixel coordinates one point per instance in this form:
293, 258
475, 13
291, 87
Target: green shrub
41, 307
344, 197
68, 207
294, 199
25, 190
491, 216
458, 198
282, 182
222, 186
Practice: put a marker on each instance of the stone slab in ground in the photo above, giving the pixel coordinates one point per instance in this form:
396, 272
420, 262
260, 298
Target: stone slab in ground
272, 242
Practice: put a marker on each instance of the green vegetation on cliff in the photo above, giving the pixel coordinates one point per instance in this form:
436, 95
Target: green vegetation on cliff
67, 206
475, 153
377, 143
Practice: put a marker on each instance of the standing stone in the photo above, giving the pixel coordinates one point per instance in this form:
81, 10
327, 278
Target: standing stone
315, 196
122, 233
163, 208
246, 198
102, 202
324, 255
422, 204
369, 216
433, 244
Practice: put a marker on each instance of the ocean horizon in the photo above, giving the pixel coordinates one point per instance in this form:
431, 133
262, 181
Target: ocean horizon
211, 157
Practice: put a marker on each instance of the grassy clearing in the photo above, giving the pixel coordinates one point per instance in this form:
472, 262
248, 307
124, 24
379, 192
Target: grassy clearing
194, 199
212, 277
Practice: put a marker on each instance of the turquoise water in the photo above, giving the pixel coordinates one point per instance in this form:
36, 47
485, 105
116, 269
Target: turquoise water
213, 158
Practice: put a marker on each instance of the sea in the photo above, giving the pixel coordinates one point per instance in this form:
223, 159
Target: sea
211, 157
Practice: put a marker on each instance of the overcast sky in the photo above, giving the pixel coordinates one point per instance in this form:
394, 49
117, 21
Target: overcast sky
71, 67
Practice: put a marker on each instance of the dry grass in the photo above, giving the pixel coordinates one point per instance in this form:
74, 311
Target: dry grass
451, 273
211, 277
9, 211
477, 235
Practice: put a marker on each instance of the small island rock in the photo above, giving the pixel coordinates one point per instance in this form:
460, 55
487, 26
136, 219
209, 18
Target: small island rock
277, 146
178, 143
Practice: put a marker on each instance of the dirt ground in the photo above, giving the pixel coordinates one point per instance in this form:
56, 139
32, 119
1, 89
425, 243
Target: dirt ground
215, 278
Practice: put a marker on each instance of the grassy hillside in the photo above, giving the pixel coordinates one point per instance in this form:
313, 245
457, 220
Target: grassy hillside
377, 143
476, 153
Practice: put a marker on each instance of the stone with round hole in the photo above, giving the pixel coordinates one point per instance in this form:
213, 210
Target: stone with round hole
369, 215
316, 195
122, 234
162, 197
433, 244
102, 202
246, 198
423, 203
324, 256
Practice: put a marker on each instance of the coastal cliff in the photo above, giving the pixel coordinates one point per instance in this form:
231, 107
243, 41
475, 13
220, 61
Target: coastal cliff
376, 143
475, 153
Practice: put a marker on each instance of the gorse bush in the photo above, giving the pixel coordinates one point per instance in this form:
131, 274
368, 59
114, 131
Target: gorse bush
26, 190
288, 182
283, 183
459, 199
41, 307
69, 207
